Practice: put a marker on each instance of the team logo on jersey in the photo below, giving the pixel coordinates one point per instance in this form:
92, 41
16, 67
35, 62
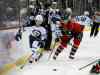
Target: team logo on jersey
36, 33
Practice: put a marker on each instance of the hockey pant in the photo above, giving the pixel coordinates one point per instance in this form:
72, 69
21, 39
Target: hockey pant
36, 47
77, 37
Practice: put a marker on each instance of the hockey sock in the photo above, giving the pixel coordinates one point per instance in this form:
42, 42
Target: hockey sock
58, 51
72, 53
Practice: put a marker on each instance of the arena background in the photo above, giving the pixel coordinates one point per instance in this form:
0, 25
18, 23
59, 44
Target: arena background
14, 12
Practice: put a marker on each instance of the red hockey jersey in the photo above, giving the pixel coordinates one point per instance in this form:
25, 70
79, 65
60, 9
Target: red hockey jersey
72, 26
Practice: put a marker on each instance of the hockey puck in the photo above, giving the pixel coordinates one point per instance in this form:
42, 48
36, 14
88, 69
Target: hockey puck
21, 67
55, 69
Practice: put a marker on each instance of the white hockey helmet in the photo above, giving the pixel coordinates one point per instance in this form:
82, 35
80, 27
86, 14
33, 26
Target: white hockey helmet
31, 6
86, 13
69, 10
39, 19
54, 3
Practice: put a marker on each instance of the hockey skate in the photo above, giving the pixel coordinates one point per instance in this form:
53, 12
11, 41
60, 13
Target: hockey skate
54, 57
71, 57
39, 56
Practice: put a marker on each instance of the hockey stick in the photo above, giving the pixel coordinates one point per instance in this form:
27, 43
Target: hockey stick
52, 51
28, 60
89, 64
25, 62
54, 47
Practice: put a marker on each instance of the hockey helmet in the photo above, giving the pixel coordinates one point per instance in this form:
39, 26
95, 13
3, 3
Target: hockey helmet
86, 13
68, 11
31, 6
54, 3
39, 19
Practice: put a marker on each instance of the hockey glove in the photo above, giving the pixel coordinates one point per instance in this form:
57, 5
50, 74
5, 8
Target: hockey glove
18, 36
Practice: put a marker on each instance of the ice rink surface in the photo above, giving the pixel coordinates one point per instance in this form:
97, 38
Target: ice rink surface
88, 51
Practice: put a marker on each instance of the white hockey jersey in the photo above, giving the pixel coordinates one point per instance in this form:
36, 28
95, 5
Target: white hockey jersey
29, 31
34, 31
39, 30
83, 20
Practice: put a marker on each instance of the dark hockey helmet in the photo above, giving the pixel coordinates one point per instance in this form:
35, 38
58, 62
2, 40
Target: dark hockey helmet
99, 62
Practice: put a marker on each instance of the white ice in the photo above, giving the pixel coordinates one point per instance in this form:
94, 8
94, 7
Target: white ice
88, 51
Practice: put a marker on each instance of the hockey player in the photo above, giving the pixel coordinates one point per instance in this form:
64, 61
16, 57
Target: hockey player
96, 24
71, 30
54, 16
96, 68
37, 38
84, 19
